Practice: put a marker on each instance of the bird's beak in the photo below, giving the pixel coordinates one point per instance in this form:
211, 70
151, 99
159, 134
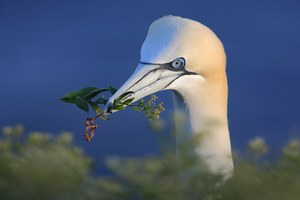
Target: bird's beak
147, 79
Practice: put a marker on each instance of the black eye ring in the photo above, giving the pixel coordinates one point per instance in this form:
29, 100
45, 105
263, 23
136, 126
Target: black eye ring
178, 63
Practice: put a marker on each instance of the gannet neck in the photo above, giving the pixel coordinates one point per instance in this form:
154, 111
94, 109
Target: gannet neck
206, 102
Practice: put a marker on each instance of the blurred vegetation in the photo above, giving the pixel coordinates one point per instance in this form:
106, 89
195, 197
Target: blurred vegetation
40, 166
44, 166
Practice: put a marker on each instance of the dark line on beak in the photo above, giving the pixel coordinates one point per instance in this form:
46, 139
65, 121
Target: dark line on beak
190, 73
143, 77
165, 66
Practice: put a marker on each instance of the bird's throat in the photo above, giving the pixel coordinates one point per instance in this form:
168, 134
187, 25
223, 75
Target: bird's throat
202, 108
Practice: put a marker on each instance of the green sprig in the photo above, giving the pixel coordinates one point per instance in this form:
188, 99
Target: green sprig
150, 108
91, 97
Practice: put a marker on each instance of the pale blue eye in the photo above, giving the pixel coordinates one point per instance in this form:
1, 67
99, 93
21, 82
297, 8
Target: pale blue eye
178, 63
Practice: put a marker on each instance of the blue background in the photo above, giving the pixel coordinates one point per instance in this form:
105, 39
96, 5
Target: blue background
49, 48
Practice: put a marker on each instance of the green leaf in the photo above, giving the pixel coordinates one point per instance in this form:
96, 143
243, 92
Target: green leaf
101, 100
135, 108
112, 90
71, 97
84, 91
81, 103
98, 110
104, 117
122, 96
67, 99
94, 93
118, 107
141, 102
128, 101
95, 107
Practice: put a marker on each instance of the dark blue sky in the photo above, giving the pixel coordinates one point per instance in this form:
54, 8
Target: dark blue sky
49, 48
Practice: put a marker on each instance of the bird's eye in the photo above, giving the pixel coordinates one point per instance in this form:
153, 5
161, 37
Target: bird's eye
178, 63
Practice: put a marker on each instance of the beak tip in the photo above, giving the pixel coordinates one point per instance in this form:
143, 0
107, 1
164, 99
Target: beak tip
107, 108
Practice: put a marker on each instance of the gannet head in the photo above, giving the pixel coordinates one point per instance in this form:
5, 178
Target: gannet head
174, 48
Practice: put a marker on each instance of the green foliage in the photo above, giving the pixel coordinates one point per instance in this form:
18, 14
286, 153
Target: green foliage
84, 99
168, 178
40, 166
279, 179
43, 166
151, 110
120, 102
